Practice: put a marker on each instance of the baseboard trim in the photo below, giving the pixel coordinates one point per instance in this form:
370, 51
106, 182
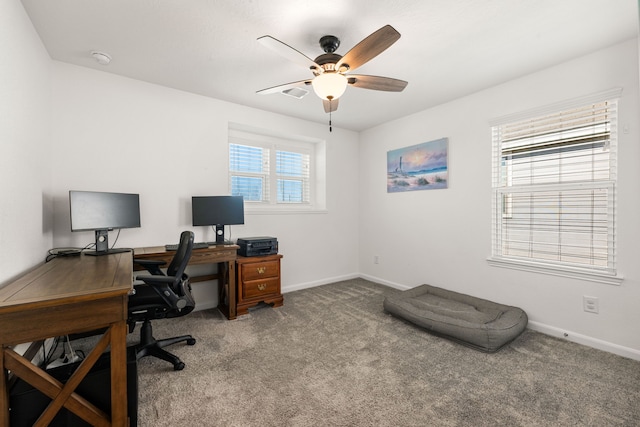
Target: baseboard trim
206, 305
385, 282
585, 340
313, 284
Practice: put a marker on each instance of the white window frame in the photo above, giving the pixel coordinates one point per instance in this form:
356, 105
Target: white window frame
504, 189
313, 151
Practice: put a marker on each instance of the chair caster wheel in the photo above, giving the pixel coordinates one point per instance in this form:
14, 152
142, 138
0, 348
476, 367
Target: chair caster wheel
178, 366
191, 341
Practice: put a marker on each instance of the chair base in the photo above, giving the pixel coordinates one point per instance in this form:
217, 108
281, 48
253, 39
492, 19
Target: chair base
149, 346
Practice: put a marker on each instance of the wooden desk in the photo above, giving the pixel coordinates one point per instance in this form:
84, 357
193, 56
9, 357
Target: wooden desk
223, 255
67, 296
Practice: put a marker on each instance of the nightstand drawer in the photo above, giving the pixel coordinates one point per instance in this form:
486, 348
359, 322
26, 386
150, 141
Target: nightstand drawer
258, 288
260, 270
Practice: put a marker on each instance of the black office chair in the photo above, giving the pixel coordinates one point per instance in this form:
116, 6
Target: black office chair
162, 296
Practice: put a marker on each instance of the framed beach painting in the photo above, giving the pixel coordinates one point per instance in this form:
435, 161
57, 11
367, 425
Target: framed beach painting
418, 167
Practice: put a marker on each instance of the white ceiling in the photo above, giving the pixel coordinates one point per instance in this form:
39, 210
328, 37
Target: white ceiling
448, 48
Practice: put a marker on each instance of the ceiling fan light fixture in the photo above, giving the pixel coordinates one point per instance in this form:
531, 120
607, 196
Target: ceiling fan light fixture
329, 69
329, 85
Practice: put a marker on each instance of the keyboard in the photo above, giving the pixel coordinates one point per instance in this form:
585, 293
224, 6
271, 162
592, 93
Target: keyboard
198, 245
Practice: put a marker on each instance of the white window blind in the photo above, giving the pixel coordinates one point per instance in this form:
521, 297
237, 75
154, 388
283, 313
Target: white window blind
249, 172
292, 169
554, 189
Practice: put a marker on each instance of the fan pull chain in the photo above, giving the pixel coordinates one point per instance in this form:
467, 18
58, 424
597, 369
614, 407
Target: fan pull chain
330, 129
330, 98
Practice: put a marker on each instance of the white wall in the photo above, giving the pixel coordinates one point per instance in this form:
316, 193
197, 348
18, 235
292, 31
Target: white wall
117, 134
443, 237
103, 132
25, 109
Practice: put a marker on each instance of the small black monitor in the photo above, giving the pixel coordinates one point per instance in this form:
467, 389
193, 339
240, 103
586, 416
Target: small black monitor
100, 212
217, 211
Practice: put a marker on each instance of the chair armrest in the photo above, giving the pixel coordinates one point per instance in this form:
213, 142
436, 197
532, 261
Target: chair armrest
159, 280
162, 285
151, 265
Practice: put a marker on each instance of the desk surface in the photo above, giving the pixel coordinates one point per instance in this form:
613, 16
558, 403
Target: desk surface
153, 250
78, 277
212, 254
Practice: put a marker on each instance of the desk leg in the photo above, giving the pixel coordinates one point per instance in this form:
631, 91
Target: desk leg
119, 374
4, 392
232, 289
228, 292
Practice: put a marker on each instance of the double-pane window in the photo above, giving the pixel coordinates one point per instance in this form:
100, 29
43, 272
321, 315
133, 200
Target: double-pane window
554, 188
270, 172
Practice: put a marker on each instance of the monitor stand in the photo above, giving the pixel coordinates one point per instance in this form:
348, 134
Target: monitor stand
102, 245
220, 234
107, 252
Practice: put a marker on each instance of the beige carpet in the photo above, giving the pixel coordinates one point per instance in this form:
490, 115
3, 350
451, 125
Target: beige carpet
332, 357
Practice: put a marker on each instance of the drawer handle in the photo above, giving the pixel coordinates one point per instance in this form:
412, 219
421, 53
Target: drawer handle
261, 270
262, 286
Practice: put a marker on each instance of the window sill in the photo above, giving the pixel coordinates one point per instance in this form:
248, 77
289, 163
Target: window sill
556, 271
264, 210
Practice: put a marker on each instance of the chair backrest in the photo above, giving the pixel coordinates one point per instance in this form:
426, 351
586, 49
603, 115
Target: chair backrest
183, 254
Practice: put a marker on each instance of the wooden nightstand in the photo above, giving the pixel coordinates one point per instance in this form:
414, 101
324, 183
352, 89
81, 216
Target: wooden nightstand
258, 281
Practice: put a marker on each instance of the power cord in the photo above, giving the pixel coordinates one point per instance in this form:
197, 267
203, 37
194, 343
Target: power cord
113, 245
68, 251
68, 355
62, 252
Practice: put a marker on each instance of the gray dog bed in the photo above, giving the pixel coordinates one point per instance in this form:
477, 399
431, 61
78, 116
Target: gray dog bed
478, 323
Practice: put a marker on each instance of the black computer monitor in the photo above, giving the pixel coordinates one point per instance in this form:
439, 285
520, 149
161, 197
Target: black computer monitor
100, 212
217, 211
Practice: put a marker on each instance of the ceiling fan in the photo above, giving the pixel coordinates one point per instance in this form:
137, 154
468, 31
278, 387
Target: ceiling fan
330, 70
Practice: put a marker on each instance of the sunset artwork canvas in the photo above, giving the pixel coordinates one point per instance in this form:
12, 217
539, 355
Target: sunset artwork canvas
418, 167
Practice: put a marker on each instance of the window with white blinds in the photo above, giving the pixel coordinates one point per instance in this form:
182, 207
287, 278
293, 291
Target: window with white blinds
292, 177
554, 189
249, 172
269, 172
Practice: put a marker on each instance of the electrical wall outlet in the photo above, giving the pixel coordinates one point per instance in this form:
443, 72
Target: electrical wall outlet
376, 259
590, 304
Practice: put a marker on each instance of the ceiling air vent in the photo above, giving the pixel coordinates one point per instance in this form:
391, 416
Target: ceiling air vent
296, 92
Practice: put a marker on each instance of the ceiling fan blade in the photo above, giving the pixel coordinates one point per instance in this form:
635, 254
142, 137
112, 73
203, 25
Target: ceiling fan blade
369, 48
376, 83
287, 51
330, 106
280, 88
